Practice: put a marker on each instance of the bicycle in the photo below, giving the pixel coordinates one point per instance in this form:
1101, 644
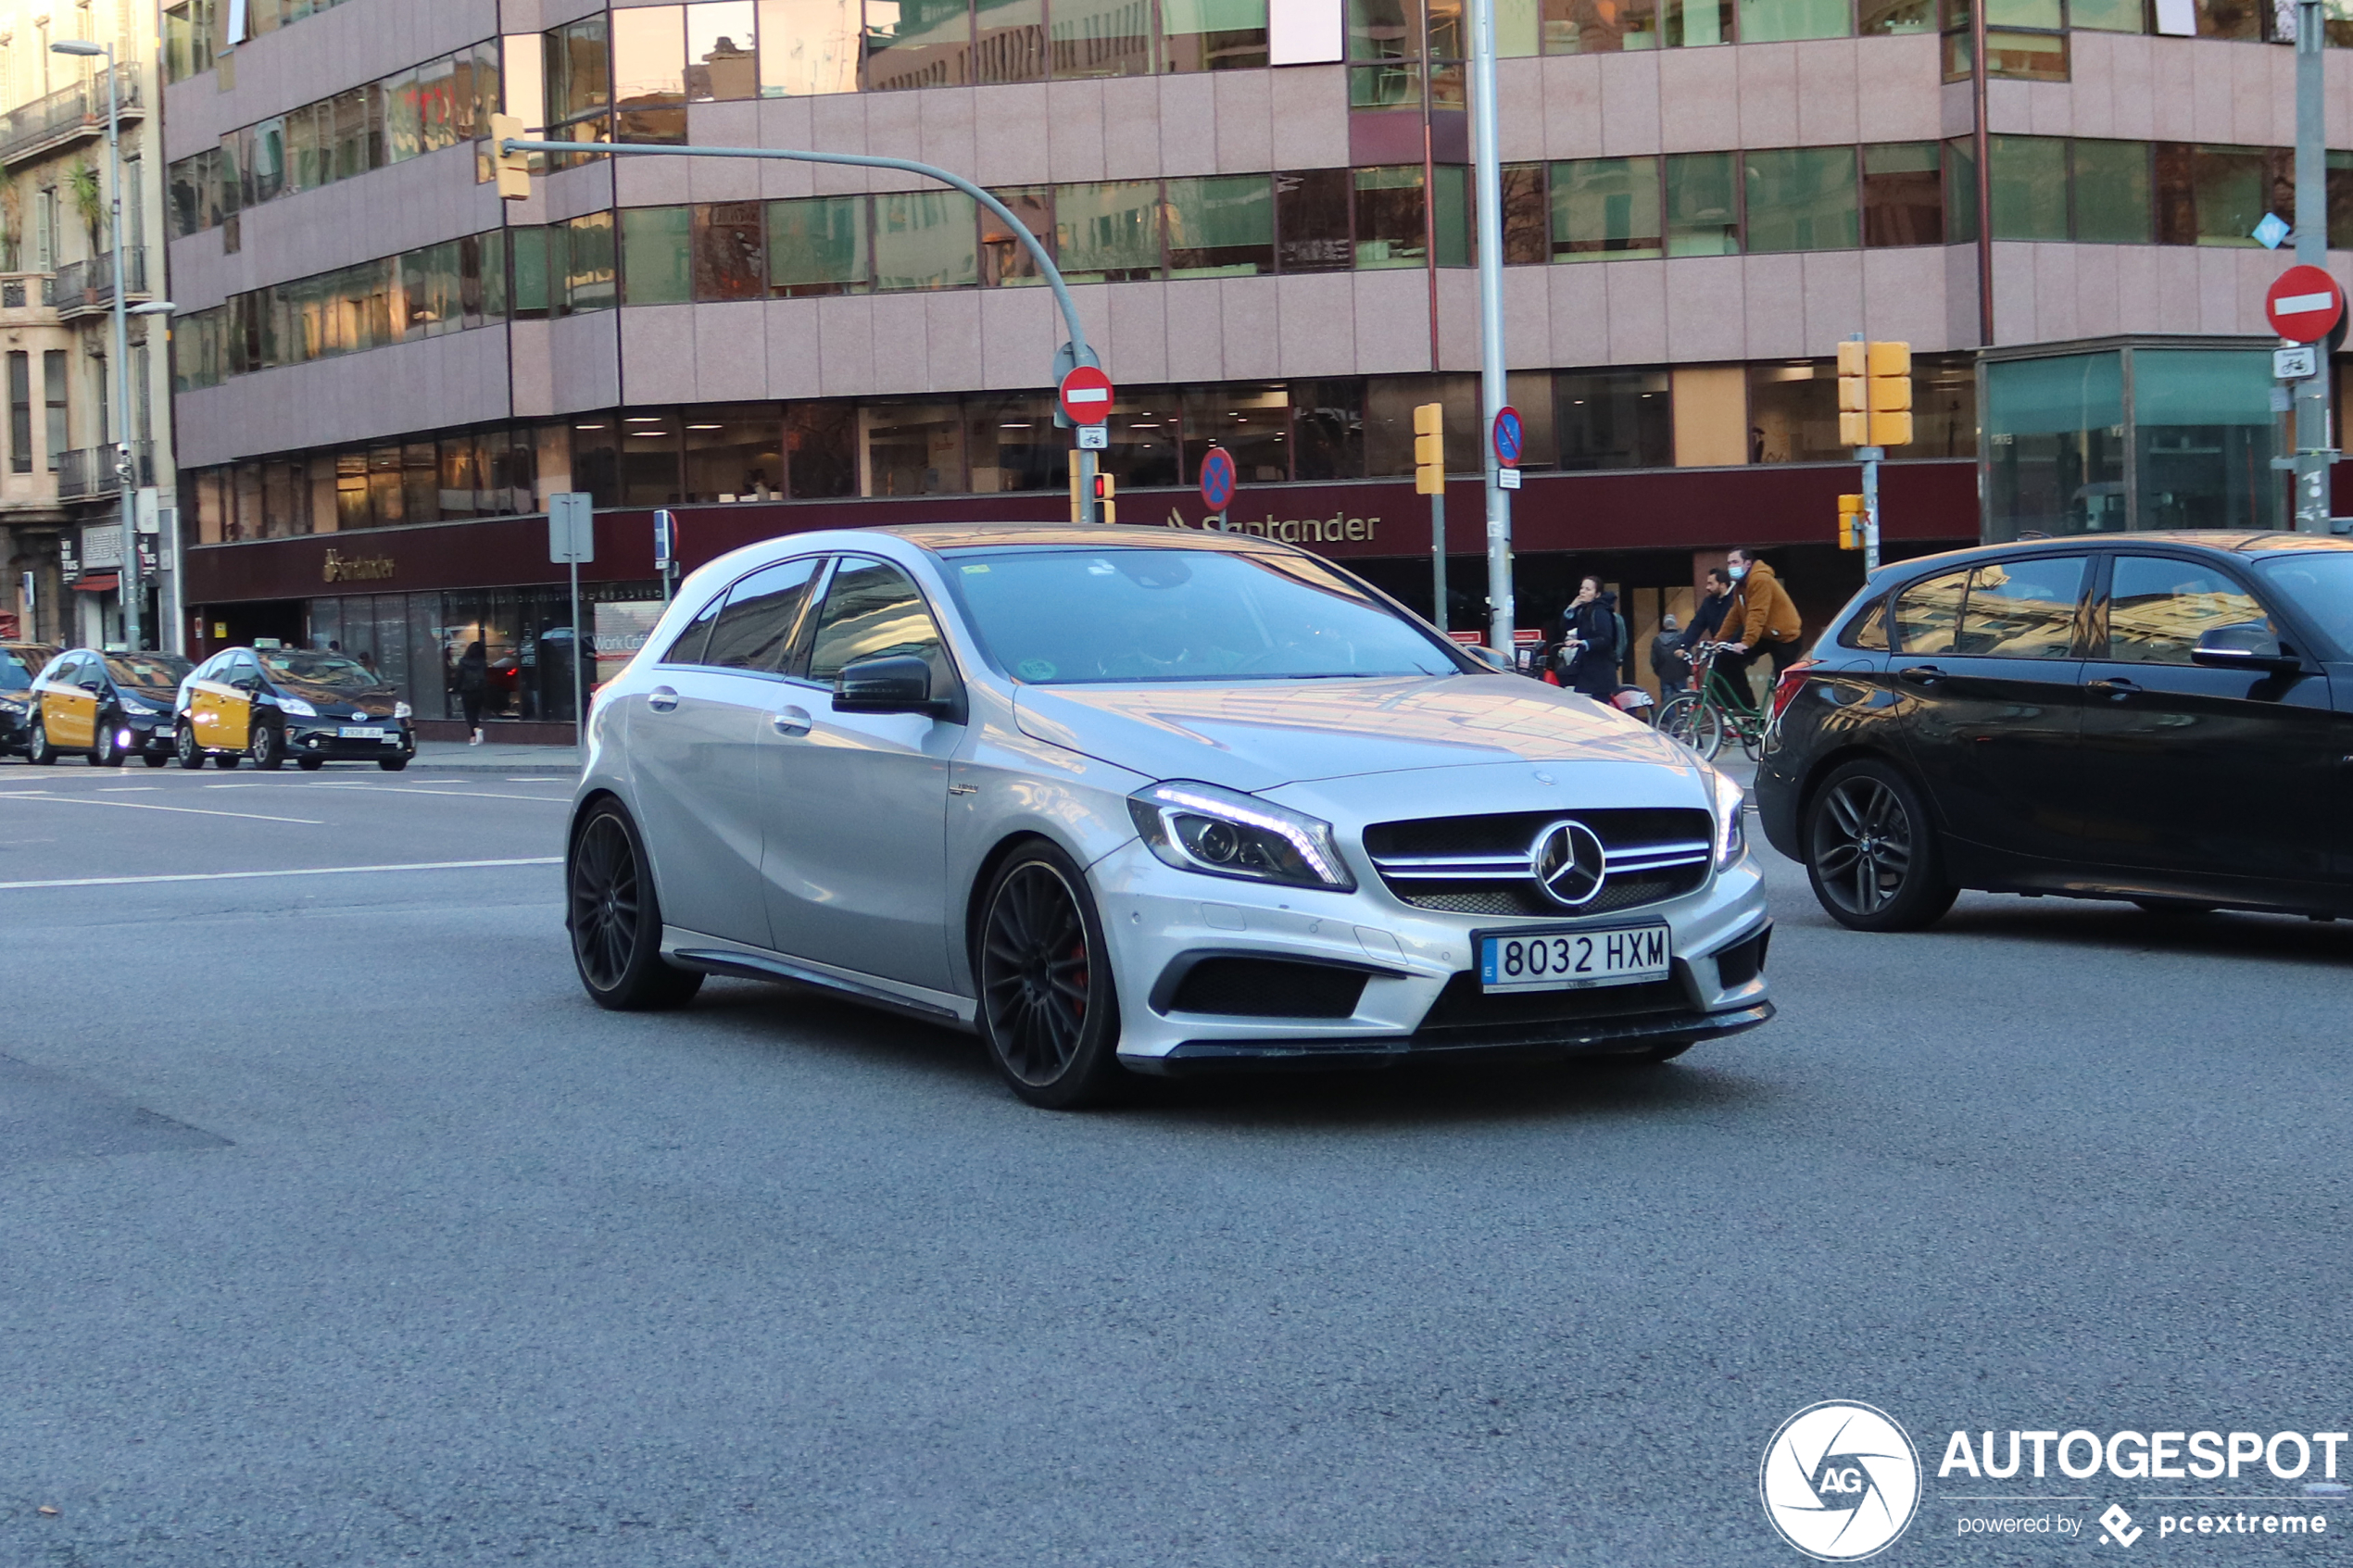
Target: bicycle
1715, 704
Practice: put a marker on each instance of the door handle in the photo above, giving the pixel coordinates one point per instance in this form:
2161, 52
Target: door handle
1921, 674
791, 721
2118, 687
661, 699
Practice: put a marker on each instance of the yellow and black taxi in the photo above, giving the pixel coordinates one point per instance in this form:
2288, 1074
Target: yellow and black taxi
274, 703
19, 662
106, 705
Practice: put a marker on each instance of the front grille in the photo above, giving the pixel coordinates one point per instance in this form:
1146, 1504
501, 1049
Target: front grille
1480, 865
1269, 988
1464, 1005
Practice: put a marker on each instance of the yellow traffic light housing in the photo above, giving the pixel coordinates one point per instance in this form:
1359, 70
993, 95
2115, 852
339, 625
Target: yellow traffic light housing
1850, 523
513, 169
1430, 449
1106, 510
1854, 394
1874, 394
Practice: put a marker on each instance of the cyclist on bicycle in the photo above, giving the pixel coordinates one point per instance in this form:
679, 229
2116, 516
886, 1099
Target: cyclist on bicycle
1758, 618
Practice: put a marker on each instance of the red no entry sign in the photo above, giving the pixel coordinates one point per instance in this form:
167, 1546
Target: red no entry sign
1086, 394
2303, 304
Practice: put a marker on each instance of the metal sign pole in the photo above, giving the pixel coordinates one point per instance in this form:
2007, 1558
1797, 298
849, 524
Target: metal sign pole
578, 645
1871, 455
1437, 557
2314, 440
1487, 202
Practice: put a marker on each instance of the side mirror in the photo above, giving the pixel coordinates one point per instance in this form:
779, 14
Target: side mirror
2249, 645
1499, 663
894, 683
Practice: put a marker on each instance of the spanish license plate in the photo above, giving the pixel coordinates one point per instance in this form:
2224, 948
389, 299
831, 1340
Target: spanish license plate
361, 731
1562, 960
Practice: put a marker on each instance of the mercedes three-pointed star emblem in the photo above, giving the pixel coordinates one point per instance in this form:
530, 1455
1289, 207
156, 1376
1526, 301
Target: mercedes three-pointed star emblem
1568, 863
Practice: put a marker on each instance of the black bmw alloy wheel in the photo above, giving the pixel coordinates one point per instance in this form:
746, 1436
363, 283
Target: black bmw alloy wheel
1870, 853
616, 921
1048, 1007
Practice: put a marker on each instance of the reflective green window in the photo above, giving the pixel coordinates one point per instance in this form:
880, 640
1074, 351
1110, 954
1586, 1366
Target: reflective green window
2113, 193
817, 245
925, 240
1605, 208
2029, 187
1108, 232
1212, 34
1221, 226
1777, 21
1803, 198
1703, 205
655, 244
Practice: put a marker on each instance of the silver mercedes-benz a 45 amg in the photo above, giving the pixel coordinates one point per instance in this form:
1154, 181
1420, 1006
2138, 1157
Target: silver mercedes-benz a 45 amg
1128, 800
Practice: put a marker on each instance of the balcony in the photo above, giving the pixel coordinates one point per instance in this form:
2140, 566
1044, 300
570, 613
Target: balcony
26, 298
83, 286
73, 113
90, 471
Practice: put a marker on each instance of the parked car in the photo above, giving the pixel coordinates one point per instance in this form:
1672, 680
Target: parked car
272, 704
19, 662
2164, 718
1133, 800
106, 705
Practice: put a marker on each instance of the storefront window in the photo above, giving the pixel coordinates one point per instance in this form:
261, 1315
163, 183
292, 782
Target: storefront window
1613, 420
2203, 439
1703, 205
1014, 444
1252, 423
1212, 34
817, 245
1312, 220
1221, 226
912, 449
925, 240
1902, 195
650, 453
1327, 429
595, 458
1802, 198
734, 454
821, 450
1145, 433
1792, 413
1606, 208
807, 47
2055, 437
1389, 402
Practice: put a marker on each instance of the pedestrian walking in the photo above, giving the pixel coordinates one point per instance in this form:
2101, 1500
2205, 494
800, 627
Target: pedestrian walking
1589, 646
1759, 619
473, 679
1668, 662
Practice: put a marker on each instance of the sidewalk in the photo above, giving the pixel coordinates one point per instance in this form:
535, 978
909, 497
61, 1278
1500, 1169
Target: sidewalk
491, 757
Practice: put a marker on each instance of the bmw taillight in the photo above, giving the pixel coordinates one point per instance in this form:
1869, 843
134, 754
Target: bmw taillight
1785, 689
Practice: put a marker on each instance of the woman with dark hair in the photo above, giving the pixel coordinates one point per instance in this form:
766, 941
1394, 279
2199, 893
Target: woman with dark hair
473, 679
1589, 640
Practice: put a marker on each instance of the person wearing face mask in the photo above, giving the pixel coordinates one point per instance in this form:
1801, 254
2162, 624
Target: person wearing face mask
1759, 617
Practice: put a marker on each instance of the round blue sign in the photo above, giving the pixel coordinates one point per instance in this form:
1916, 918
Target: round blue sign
1217, 479
1507, 436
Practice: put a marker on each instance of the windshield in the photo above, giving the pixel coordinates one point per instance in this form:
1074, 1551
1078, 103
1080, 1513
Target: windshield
1054, 617
2321, 584
152, 671
329, 669
16, 675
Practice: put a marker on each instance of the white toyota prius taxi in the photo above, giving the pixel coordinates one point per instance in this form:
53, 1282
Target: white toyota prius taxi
1143, 801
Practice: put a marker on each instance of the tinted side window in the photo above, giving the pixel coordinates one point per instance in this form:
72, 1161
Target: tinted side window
873, 609
1929, 614
755, 631
687, 649
2023, 609
1868, 630
2157, 609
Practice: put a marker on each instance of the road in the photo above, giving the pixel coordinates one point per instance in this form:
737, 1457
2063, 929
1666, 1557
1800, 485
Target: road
339, 1228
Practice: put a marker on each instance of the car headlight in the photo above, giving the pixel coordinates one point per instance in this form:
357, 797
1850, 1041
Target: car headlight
294, 707
1732, 829
134, 707
1200, 827
402, 711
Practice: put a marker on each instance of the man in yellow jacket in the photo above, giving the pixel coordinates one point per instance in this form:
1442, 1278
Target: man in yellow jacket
1761, 620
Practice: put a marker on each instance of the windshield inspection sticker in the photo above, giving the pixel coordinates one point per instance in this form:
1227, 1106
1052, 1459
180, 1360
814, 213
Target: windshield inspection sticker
1842, 1482
1036, 670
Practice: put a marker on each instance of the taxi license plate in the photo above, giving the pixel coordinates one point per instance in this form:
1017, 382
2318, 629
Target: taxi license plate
1563, 960
361, 731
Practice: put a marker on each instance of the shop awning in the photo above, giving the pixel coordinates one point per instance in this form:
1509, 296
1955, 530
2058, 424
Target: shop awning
99, 582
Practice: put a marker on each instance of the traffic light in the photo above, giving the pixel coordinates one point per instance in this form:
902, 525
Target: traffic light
1106, 510
513, 169
1874, 394
1430, 449
1850, 523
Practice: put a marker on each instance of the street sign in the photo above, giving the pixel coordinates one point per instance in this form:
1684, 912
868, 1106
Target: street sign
1086, 396
1217, 479
1508, 436
1094, 438
571, 527
665, 537
2303, 304
1508, 478
2295, 364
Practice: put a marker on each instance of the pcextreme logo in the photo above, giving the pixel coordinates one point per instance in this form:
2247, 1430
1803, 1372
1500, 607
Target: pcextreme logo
1839, 1481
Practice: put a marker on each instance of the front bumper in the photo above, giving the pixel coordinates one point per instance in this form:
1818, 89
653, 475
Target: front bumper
1420, 996
323, 737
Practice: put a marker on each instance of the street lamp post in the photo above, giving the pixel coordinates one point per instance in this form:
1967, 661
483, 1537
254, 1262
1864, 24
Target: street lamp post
125, 472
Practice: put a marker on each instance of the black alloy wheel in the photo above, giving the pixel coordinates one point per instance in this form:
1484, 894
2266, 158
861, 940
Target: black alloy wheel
392, 764
310, 764
37, 749
153, 758
1871, 854
227, 761
104, 752
1048, 1007
185, 748
268, 748
615, 920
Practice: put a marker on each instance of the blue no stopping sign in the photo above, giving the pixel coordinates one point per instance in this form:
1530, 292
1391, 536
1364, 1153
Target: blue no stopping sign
1217, 479
1508, 441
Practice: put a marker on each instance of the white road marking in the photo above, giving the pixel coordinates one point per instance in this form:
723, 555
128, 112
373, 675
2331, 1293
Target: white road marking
302, 871
143, 806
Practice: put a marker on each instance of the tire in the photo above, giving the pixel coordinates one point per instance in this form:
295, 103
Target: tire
1689, 722
186, 750
227, 761
392, 764
615, 920
1871, 853
1049, 1010
268, 747
310, 764
153, 758
37, 749
104, 752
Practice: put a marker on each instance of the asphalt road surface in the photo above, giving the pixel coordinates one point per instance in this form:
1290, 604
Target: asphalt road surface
337, 1227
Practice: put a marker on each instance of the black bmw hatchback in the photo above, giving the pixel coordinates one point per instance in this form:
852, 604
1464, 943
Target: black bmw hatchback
2164, 718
